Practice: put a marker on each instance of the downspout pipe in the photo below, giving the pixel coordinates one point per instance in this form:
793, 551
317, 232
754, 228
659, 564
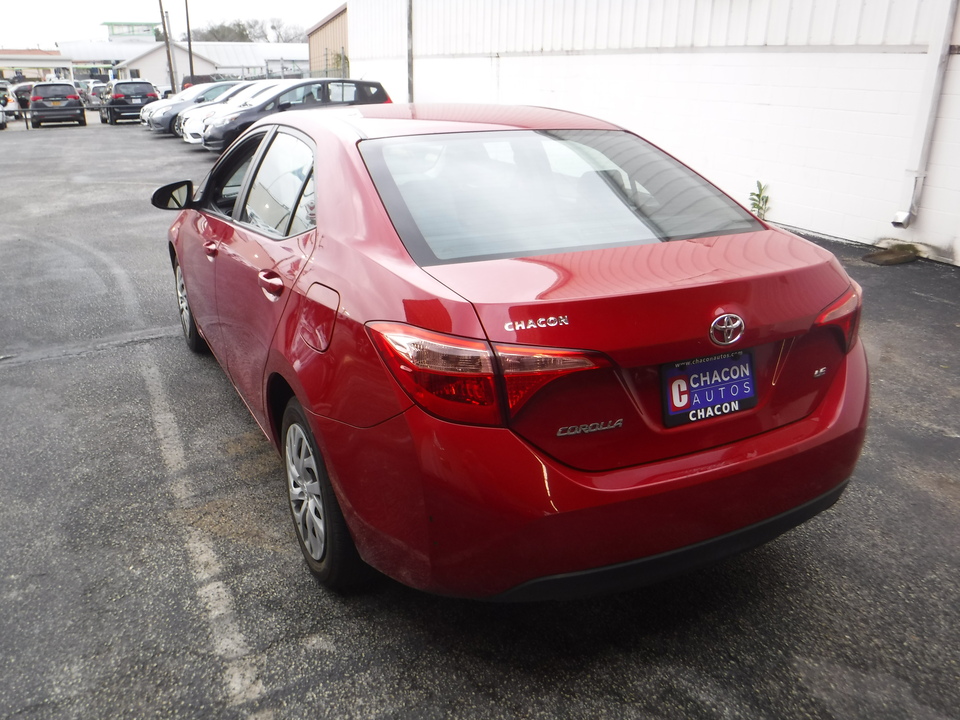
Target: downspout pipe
410, 50
938, 53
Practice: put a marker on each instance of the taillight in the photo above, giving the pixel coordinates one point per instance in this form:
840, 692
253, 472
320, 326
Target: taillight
844, 315
449, 376
527, 369
73, 97
466, 380
118, 96
152, 95
35, 98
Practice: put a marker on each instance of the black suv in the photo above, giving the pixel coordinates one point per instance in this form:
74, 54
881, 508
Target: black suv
55, 102
122, 100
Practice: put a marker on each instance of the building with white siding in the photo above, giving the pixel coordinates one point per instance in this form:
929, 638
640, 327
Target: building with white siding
848, 111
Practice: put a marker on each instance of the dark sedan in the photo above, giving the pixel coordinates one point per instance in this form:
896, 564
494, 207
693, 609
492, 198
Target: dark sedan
163, 118
291, 95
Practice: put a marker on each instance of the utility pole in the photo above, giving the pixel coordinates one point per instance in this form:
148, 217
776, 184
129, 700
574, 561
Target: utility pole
173, 57
166, 38
186, 7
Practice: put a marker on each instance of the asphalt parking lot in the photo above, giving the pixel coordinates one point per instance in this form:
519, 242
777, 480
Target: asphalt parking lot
148, 568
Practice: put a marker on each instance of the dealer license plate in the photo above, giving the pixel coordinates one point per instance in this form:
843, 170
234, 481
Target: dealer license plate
704, 388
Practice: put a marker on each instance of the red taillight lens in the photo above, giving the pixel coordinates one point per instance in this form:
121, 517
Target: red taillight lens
465, 380
527, 369
844, 315
35, 98
117, 96
448, 376
152, 95
73, 97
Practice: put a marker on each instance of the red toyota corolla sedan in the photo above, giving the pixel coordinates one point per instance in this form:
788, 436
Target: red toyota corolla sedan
515, 353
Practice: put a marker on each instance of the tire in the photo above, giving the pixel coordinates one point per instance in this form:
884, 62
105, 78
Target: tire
34, 123
83, 119
191, 334
111, 118
321, 530
103, 120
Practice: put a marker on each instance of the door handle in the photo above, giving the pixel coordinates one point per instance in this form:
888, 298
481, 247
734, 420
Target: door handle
271, 284
210, 248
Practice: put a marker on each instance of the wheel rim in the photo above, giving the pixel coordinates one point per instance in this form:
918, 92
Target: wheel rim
303, 486
182, 302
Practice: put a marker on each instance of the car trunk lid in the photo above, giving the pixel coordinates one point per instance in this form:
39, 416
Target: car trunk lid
671, 385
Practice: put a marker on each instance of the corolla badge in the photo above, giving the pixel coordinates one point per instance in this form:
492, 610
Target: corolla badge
590, 428
726, 329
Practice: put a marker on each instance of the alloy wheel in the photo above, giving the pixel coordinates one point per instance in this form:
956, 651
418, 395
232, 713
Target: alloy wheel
185, 317
303, 486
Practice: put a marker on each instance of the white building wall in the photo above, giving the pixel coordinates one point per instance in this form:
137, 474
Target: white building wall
818, 99
153, 66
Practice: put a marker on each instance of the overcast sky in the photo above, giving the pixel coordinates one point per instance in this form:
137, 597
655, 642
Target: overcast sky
27, 24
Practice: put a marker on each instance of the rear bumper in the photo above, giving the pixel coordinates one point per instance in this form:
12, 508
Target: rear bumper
124, 111
650, 570
57, 114
477, 512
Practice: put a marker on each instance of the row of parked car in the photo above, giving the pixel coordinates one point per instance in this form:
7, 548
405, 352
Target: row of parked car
210, 114
66, 100
215, 114
55, 101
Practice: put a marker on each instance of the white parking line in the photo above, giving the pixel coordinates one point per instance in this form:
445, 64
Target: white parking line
241, 679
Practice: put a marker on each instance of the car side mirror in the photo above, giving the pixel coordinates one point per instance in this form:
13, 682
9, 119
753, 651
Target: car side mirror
175, 196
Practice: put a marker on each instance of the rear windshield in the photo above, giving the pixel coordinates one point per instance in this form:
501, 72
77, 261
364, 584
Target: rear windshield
54, 90
478, 196
133, 88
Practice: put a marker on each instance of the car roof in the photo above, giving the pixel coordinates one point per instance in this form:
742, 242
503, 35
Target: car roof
399, 119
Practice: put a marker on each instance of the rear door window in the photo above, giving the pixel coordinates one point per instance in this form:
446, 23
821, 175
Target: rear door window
342, 92
358, 93
302, 96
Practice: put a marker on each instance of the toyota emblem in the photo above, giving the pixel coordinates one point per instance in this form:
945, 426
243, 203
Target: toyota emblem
726, 329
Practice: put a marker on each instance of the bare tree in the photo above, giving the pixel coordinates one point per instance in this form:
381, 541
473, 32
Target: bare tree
273, 30
235, 31
258, 30
283, 33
